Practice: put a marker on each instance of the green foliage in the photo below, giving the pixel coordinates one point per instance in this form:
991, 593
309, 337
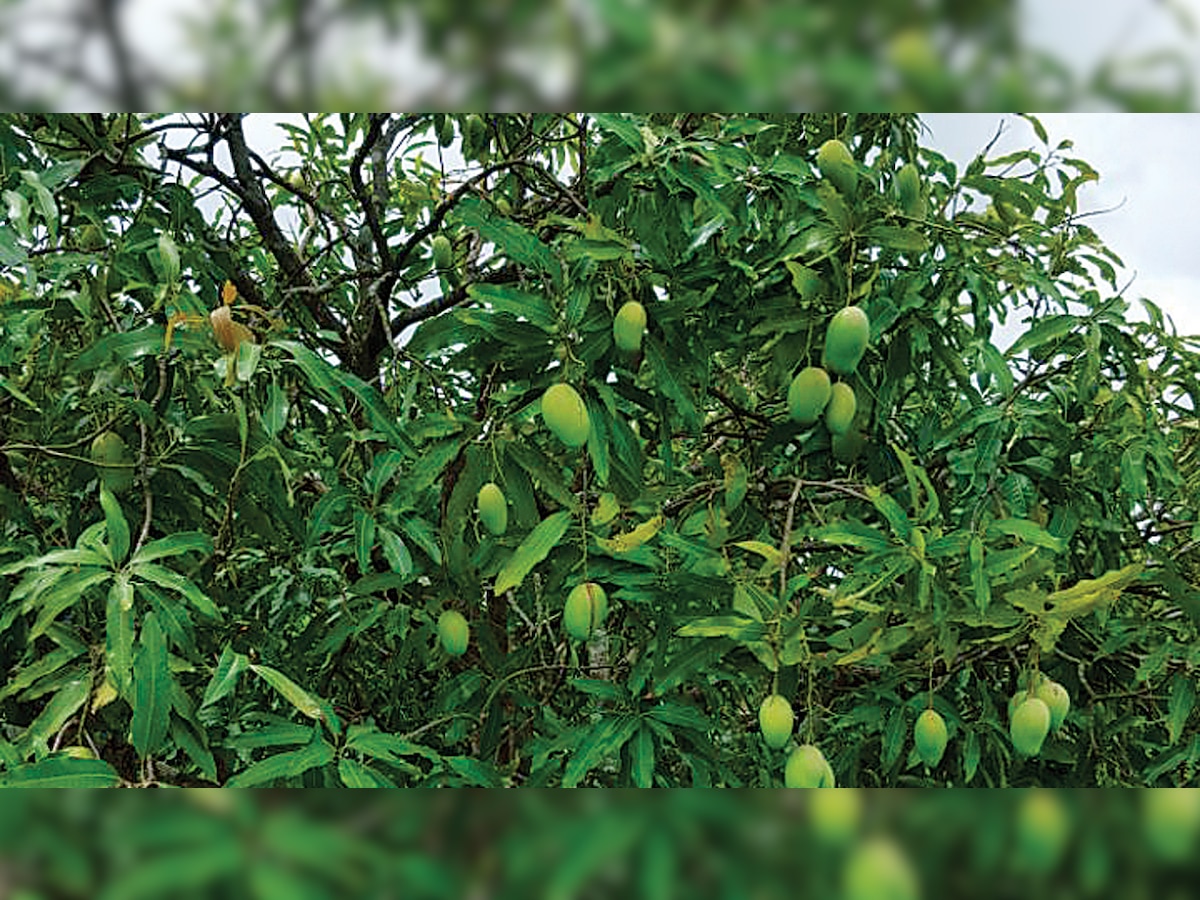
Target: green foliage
249, 591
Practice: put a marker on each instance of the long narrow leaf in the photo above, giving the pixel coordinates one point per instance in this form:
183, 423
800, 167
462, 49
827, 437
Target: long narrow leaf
292, 692
174, 545
536, 546
62, 772
151, 689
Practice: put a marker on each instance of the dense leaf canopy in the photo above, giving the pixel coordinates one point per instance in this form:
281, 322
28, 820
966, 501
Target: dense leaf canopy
245, 417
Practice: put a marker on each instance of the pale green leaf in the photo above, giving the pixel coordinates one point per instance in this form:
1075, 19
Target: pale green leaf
536, 547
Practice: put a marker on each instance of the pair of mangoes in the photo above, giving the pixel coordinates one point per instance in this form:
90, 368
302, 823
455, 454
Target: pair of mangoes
811, 392
1034, 714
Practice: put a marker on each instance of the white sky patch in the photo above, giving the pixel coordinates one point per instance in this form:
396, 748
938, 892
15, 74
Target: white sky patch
1123, 29
1147, 184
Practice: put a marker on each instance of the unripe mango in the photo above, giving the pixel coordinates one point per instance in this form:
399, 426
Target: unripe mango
878, 870
475, 138
629, 326
565, 414
775, 718
585, 609
807, 768
808, 395
908, 191
493, 509
1043, 831
453, 632
109, 449
446, 132
1029, 726
930, 736
443, 253
836, 815
837, 164
1171, 823
839, 414
846, 340
1055, 696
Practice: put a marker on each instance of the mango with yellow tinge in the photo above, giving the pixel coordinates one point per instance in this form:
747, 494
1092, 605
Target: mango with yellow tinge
453, 632
775, 718
628, 327
837, 164
908, 191
1029, 726
807, 768
443, 253
846, 340
1055, 696
930, 736
839, 414
808, 395
585, 609
564, 413
877, 869
492, 508
114, 461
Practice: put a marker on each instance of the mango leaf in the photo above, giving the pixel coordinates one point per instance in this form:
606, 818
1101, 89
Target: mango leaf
292, 692
45, 665
118, 634
284, 765
603, 740
62, 772
766, 551
606, 509
324, 514
533, 307
356, 775
882, 642
1081, 599
67, 592
890, 510
739, 628
125, 346
396, 552
631, 540
77, 556
171, 580
893, 238
55, 714
115, 524
536, 546
641, 755
605, 690
979, 578
1046, 330
173, 545
1179, 706
513, 240
224, 679
275, 414
1027, 531
364, 539
151, 689
853, 534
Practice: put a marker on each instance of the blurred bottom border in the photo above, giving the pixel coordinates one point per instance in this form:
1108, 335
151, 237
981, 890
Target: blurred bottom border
852, 843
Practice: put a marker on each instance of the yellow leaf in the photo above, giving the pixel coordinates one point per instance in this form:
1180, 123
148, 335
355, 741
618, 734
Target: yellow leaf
104, 695
766, 551
631, 540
